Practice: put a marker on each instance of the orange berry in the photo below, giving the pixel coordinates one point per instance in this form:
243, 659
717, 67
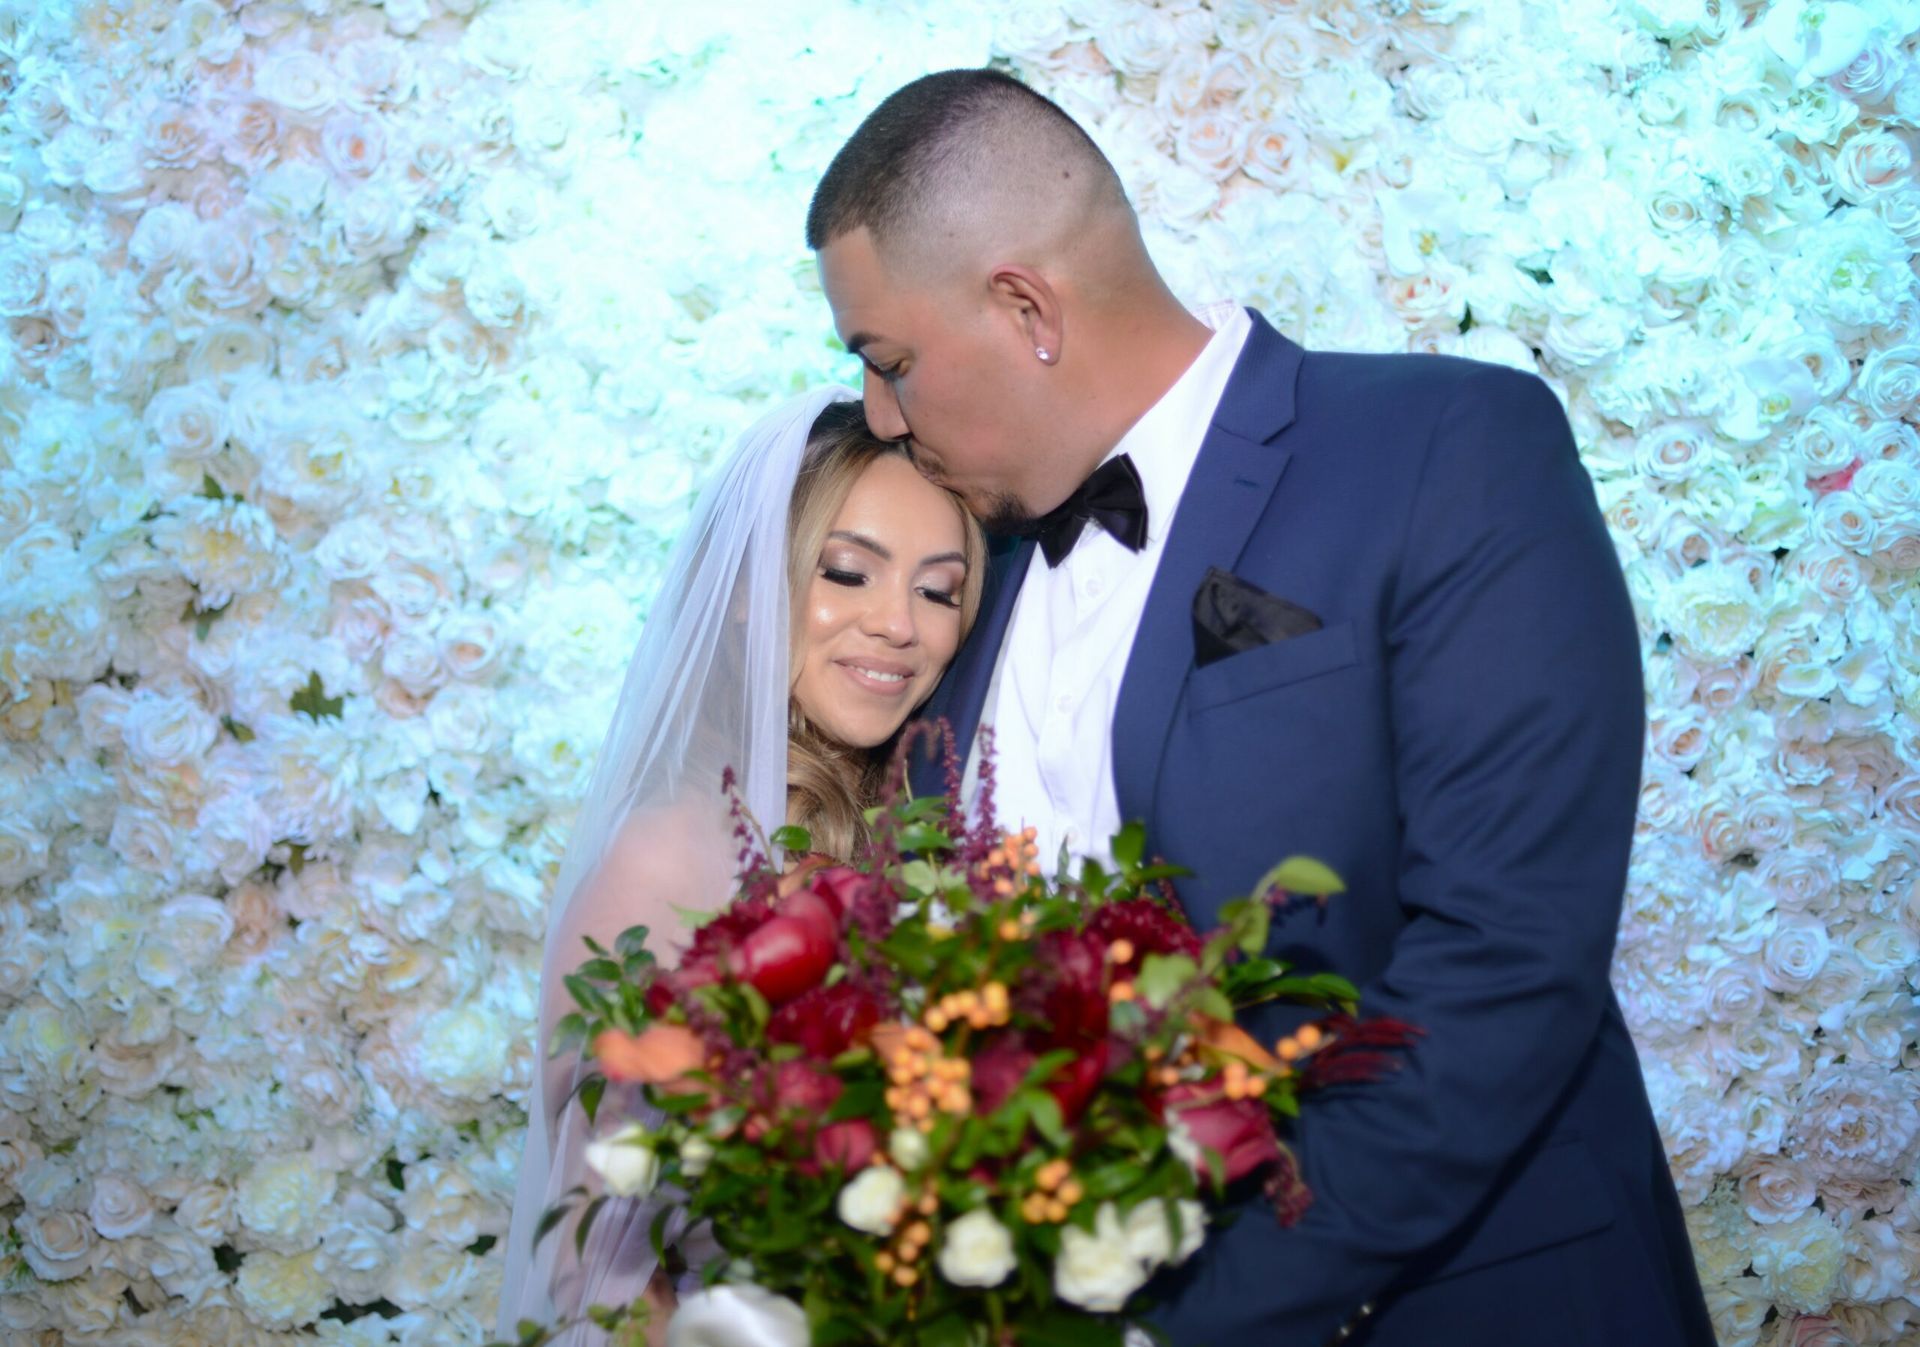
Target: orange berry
937, 1020
928, 1204
883, 1262
1257, 1086
1033, 1208
1120, 991
1071, 1192
1056, 1210
1310, 1036
918, 1233
1009, 929
909, 1253
1287, 1049
905, 1276
1052, 1174
1121, 950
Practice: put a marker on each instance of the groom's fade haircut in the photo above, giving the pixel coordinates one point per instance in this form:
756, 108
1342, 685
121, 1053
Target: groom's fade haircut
950, 152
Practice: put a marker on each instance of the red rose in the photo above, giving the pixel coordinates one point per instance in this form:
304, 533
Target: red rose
1065, 988
826, 1021
785, 957
997, 1069
1240, 1130
848, 1145
802, 1089
1000, 1067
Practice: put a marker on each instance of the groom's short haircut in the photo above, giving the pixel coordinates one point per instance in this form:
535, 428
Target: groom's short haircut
934, 149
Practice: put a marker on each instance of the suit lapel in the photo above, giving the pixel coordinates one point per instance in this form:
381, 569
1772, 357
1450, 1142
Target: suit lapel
1232, 481
963, 694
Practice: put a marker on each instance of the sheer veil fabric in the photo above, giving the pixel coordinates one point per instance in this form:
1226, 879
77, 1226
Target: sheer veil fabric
706, 690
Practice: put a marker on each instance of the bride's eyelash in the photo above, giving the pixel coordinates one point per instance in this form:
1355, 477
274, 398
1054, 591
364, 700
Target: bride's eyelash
848, 578
944, 597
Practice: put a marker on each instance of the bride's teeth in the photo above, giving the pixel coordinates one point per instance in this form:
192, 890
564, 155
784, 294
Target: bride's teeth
883, 677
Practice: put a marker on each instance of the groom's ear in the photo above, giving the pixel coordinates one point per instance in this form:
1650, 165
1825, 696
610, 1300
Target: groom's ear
1031, 305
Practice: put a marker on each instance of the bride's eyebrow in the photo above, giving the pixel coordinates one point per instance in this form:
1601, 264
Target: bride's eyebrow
875, 547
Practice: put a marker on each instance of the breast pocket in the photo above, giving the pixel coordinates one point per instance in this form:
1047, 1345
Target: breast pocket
1272, 666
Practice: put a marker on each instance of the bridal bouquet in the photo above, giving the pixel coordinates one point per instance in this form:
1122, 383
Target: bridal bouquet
936, 1098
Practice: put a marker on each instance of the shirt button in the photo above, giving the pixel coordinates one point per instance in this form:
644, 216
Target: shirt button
1093, 586
1063, 704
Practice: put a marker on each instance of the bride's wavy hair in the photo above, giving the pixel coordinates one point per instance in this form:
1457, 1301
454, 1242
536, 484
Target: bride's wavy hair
830, 784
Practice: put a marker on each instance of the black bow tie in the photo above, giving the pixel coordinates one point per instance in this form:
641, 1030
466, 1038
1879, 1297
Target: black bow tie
1111, 498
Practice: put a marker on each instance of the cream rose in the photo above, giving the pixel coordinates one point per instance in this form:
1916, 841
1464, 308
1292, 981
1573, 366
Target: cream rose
57, 1244
976, 1250
1150, 1236
119, 1207
871, 1202
282, 1197
626, 1161
1097, 1269
283, 1290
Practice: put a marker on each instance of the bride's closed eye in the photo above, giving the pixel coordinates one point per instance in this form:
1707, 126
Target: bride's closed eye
946, 598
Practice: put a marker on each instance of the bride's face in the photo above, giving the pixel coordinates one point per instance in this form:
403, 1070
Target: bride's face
882, 613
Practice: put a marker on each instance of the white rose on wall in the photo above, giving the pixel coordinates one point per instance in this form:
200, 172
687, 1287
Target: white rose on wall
281, 1200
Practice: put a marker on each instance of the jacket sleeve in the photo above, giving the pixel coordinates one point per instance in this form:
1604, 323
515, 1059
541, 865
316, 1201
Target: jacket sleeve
1517, 717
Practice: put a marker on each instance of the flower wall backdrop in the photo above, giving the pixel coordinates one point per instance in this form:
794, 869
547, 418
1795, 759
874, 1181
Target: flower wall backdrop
362, 362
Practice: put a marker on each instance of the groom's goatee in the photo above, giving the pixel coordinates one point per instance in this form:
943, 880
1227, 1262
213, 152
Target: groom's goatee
1007, 517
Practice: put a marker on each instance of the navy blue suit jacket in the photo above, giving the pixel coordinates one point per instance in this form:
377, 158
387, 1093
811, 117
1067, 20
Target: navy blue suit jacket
1461, 741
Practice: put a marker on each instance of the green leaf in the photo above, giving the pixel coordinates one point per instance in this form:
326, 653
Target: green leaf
1059, 1326
920, 876
861, 1099
1045, 1111
631, 941
1303, 875
210, 488
793, 839
1129, 845
549, 1219
924, 837
591, 1089
204, 618
1212, 1001
312, 700
240, 732
570, 1033
1163, 977
949, 1330
586, 1222
600, 970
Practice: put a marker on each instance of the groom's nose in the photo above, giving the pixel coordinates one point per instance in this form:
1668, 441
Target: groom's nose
883, 408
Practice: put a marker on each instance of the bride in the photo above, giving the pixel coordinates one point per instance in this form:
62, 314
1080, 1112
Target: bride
813, 604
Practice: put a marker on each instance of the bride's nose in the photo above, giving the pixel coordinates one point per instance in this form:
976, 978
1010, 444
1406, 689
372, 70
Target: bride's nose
890, 615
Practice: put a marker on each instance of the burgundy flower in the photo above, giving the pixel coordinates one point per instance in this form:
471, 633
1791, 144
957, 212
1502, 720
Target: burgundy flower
802, 1091
1240, 1130
1150, 927
826, 1021
1065, 987
847, 1145
999, 1068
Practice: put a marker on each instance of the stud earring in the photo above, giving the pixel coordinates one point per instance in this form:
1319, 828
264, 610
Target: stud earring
1043, 353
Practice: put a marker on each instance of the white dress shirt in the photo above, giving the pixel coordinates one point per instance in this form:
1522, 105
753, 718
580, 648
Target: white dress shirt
1058, 672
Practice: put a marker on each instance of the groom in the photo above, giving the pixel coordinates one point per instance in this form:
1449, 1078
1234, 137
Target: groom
1271, 601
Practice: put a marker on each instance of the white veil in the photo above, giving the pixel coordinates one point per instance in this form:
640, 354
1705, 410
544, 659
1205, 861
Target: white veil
707, 690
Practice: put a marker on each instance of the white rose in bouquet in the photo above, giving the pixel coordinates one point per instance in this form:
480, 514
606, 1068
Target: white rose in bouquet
872, 1201
1097, 1269
626, 1161
976, 1250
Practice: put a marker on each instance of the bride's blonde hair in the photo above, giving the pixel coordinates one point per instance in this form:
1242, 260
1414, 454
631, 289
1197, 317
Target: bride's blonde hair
831, 784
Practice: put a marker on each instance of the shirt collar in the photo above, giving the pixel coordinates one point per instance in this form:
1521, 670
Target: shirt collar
1165, 441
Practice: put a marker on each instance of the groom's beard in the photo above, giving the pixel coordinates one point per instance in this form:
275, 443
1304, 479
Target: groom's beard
1006, 516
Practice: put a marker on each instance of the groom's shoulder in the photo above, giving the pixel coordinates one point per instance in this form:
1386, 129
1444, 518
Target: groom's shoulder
1400, 380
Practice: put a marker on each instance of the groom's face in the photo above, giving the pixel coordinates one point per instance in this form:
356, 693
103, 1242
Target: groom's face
944, 370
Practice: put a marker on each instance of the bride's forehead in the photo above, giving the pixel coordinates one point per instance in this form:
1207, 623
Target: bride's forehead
891, 495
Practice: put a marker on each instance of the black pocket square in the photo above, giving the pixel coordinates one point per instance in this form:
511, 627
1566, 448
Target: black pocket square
1230, 615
